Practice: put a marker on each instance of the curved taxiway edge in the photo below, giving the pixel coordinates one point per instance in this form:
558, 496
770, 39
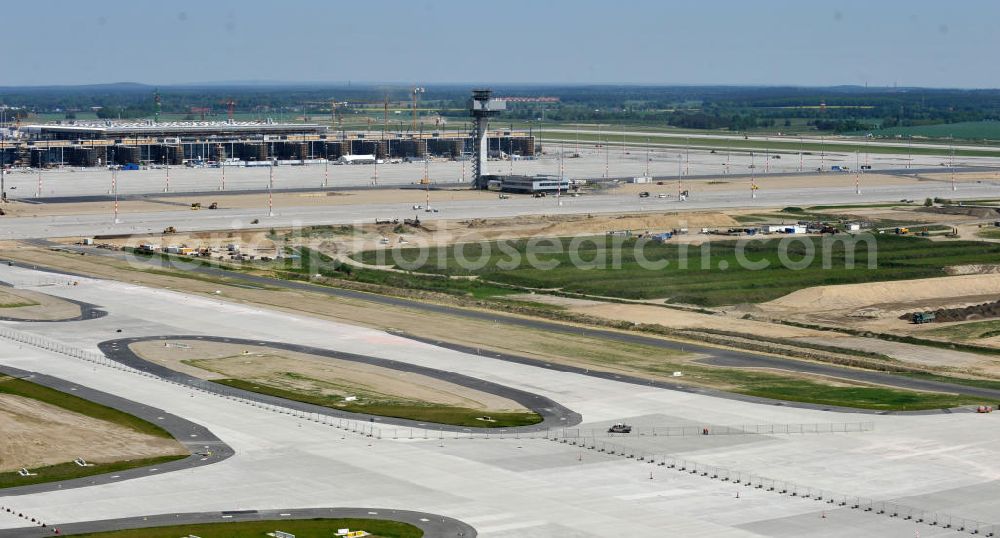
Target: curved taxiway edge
205, 448
433, 525
554, 415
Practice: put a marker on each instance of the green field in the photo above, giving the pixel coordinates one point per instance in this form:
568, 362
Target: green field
302, 528
989, 233
859, 397
969, 331
969, 130
713, 275
455, 416
17, 304
65, 471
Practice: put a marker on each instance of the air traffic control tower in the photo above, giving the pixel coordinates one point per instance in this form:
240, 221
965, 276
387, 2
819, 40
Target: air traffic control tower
481, 108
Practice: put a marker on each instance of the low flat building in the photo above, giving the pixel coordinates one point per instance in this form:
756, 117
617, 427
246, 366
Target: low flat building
528, 184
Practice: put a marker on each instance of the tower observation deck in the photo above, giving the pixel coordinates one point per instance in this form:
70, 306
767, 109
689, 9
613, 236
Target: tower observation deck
481, 108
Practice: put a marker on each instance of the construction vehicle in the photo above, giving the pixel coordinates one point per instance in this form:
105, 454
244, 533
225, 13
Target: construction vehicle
196, 205
922, 317
902, 231
170, 230
214, 205
621, 427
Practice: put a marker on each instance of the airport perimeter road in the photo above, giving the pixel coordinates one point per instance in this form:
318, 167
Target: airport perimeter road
735, 358
204, 446
433, 525
553, 414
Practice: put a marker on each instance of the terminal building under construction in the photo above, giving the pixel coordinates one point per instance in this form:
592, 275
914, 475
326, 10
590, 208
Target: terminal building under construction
100, 143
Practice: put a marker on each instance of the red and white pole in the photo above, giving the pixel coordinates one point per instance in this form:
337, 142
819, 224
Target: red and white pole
270, 189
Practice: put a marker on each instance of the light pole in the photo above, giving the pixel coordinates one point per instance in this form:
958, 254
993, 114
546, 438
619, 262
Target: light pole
953, 186
3, 166
270, 188
857, 172
647, 157
114, 187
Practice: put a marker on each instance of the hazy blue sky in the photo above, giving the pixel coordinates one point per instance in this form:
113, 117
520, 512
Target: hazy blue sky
914, 42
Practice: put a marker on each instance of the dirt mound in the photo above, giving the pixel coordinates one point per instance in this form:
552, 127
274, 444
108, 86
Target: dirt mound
968, 313
977, 212
858, 296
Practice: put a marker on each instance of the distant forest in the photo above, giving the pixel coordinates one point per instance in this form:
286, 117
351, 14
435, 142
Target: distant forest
836, 109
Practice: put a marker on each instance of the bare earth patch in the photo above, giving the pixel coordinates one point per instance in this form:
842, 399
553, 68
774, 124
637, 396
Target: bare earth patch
37, 434
856, 296
36, 306
314, 375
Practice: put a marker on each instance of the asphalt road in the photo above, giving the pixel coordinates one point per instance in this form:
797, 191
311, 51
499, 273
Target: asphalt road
735, 357
433, 525
553, 414
204, 446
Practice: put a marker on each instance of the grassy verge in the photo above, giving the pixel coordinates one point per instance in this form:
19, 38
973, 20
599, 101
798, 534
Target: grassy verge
878, 398
70, 470
905, 339
304, 528
26, 389
17, 305
989, 233
454, 416
969, 331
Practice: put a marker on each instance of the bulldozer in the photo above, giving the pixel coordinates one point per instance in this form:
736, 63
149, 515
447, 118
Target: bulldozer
621, 427
170, 230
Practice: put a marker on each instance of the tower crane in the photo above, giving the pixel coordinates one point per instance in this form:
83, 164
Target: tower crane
416, 93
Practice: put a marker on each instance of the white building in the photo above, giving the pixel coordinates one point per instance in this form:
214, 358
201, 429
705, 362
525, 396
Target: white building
356, 159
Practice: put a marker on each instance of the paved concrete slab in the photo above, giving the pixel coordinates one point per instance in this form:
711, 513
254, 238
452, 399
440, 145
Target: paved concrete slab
504, 487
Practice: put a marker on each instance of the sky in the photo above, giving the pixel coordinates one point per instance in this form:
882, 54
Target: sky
937, 43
